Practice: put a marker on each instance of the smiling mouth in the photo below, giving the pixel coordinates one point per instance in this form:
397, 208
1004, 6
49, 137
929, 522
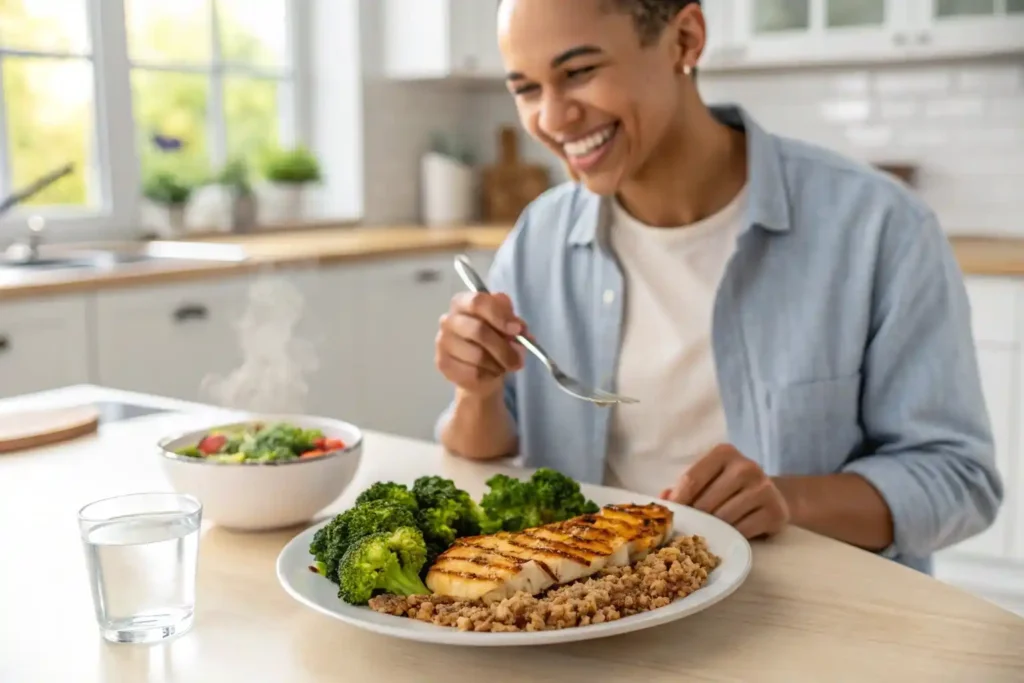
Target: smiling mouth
594, 142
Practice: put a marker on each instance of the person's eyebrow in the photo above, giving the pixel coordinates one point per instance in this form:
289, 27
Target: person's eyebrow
571, 53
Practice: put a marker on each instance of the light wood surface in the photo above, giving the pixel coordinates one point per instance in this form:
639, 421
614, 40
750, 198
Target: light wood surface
327, 245
812, 609
35, 428
510, 184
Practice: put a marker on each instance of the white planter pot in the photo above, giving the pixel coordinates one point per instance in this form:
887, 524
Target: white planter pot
447, 190
166, 222
281, 203
209, 210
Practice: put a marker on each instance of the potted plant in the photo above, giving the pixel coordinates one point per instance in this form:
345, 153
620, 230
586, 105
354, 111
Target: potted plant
235, 178
165, 196
447, 182
289, 173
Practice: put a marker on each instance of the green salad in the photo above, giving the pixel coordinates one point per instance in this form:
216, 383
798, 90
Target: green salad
257, 442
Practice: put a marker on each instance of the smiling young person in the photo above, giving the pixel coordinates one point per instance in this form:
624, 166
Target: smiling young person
793, 323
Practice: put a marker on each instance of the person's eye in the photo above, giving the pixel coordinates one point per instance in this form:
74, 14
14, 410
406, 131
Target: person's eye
582, 71
525, 89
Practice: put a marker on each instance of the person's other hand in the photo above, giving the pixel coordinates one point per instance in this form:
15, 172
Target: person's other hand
735, 489
474, 348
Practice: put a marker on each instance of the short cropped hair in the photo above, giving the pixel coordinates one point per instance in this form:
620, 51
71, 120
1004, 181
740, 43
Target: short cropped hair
650, 16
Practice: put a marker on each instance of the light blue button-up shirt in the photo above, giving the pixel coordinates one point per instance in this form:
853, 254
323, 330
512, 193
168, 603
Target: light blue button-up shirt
841, 336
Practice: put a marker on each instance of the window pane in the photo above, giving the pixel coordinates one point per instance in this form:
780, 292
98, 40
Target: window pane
252, 114
44, 25
50, 123
959, 8
253, 31
170, 117
781, 15
856, 13
1015, 6
168, 31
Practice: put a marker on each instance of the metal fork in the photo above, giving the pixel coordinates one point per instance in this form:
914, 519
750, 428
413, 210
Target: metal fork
569, 385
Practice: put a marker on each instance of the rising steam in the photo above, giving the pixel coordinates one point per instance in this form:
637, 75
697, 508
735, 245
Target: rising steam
276, 361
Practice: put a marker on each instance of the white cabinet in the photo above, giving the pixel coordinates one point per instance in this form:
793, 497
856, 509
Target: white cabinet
170, 339
441, 38
950, 28
329, 329
766, 33
401, 303
44, 344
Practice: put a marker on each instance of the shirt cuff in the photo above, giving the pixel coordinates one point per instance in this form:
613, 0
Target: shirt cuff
902, 492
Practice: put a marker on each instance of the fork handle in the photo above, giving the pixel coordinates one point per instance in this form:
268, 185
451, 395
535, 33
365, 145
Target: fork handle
476, 283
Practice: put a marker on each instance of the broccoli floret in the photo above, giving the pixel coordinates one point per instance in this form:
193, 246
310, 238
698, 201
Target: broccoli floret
398, 493
446, 512
385, 562
332, 541
548, 496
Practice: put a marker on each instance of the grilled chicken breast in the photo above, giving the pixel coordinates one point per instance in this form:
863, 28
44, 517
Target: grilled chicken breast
499, 565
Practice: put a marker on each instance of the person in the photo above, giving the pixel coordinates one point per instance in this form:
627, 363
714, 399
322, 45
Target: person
793, 324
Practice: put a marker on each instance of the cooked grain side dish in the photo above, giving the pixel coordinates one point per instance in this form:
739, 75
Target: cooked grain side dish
670, 573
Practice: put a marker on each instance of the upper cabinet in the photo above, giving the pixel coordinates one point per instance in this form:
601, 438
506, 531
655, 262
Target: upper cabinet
441, 38
967, 27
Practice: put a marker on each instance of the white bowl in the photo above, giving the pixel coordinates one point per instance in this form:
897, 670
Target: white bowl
262, 496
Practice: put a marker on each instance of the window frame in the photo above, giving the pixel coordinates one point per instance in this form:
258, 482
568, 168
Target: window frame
115, 164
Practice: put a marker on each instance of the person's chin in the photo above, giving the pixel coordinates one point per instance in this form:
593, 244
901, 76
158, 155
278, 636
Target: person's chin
604, 182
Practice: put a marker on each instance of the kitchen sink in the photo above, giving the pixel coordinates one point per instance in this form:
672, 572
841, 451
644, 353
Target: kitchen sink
111, 258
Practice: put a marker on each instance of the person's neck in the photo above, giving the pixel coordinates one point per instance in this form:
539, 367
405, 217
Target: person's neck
701, 167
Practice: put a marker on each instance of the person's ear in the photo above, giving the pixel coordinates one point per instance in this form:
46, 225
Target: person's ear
689, 35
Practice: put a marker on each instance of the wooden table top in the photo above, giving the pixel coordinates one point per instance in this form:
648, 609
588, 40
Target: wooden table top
811, 610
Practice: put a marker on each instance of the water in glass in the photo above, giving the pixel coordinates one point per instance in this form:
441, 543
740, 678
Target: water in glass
142, 566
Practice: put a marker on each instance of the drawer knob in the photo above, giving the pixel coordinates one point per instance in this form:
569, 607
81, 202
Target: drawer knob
428, 275
191, 312
5, 343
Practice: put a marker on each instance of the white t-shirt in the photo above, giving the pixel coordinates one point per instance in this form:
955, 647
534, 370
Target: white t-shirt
666, 360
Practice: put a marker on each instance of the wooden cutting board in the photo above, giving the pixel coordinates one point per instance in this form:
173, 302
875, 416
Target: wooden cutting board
24, 430
510, 184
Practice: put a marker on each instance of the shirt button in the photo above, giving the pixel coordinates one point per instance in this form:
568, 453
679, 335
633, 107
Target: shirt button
609, 297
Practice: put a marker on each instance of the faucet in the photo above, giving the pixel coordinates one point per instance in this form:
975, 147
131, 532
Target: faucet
29, 249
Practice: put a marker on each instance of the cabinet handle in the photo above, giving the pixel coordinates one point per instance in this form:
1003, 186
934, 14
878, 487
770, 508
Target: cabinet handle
191, 312
5, 343
924, 38
428, 275
900, 39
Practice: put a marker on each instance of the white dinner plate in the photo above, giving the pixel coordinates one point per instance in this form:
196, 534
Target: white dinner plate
319, 594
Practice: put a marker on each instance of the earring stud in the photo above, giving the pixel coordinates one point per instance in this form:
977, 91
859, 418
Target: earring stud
687, 69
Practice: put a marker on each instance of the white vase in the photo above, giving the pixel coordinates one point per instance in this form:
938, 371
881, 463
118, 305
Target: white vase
446, 186
165, 221
209, 210
281, 203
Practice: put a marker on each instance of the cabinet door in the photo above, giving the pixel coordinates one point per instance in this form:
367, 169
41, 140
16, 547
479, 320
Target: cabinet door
474, 35
999, 373
417, 38
947, 28
790, 31
328, 329
172, 340
44, 344
403, 393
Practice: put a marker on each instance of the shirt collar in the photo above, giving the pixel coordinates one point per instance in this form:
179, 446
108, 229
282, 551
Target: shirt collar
768, 205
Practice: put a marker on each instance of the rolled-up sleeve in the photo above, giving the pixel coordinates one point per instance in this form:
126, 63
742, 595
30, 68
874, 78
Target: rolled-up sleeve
500, 278
923, 410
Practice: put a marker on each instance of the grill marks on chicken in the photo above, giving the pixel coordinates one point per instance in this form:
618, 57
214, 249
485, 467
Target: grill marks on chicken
499, 565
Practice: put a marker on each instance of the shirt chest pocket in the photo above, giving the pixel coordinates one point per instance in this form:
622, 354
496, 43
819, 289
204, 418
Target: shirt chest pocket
813, 427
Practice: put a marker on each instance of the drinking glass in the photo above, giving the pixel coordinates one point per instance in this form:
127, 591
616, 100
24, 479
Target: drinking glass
142, 550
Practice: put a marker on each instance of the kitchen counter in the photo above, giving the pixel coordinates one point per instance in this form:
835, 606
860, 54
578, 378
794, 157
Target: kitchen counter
977, 256
811, 610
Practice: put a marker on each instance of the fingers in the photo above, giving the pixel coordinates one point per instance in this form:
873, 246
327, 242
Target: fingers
760, 522
743, 503
494, 309
737, 476
702, 473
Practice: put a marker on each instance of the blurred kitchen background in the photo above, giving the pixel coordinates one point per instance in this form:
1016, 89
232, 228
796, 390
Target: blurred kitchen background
348, 148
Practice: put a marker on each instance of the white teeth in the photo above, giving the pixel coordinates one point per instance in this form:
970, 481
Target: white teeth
584, 146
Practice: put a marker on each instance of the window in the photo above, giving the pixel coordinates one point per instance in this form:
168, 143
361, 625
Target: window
47, 99
123, 88
210, 81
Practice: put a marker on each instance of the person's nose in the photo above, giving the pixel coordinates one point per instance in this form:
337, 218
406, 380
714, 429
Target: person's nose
558, 115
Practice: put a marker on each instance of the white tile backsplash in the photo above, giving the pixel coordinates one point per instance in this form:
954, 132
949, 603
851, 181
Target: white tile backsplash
961, 123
